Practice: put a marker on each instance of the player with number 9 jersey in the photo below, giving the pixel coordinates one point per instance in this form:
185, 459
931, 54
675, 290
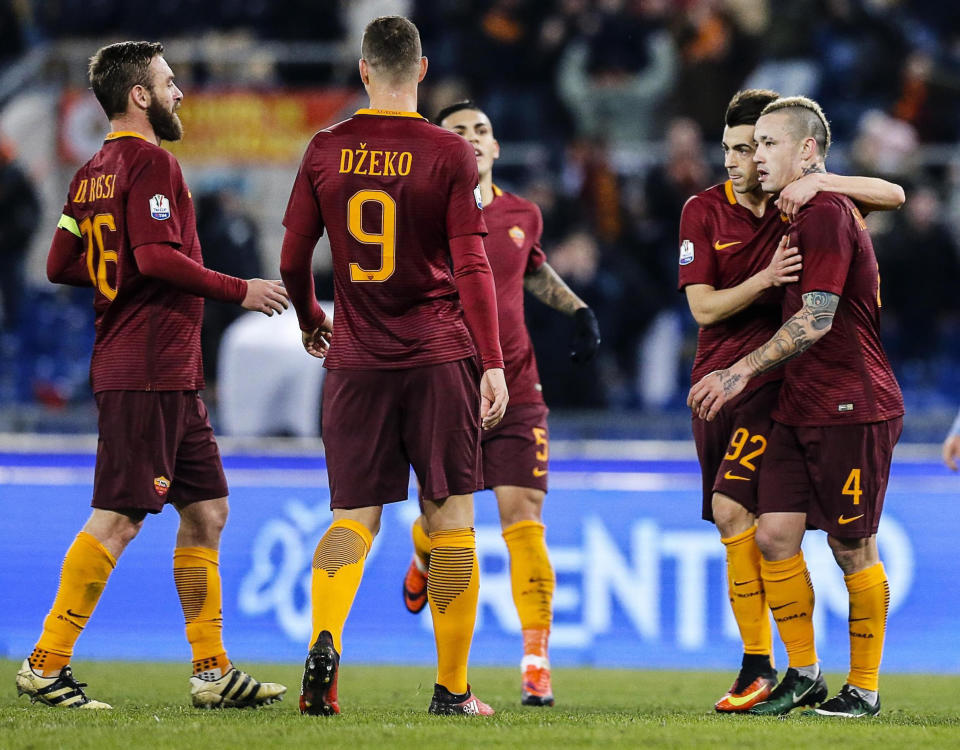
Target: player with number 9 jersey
377, 183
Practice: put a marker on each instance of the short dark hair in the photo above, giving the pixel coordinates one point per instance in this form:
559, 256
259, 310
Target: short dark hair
450, 109
746, 106
117, 68
391, 46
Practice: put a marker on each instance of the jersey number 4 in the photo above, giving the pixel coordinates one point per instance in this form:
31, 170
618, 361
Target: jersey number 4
386, 239
97, 255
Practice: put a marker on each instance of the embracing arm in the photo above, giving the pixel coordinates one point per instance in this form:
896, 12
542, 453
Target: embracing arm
811, 323
67, 260
869, 193
710, 306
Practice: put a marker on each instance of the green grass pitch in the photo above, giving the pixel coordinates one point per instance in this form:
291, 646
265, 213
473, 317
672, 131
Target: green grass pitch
385, 708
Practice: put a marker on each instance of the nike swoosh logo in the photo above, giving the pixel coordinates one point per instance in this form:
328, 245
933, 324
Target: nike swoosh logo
858, 619
718, 246
728, 475
744, 583
538, 472
79, 617
800, 696
735, 700
774, 609
843, 520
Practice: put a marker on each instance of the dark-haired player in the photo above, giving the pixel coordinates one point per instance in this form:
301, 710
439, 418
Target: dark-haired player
733, 259
128, 229
838, 416
399, 200
515, 453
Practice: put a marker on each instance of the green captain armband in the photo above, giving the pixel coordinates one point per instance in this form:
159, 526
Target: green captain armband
68, 223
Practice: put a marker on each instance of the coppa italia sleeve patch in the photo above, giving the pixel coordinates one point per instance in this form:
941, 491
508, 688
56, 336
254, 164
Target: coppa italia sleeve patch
160, 207
686, 252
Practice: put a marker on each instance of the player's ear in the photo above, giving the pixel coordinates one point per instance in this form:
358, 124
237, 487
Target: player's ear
364, 72
140, 96
423, 69
496, 149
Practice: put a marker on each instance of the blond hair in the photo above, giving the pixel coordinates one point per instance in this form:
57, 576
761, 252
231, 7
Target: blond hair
807, 119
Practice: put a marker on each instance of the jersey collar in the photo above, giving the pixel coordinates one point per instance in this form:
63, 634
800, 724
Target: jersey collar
390, 113
728, 189
124, 134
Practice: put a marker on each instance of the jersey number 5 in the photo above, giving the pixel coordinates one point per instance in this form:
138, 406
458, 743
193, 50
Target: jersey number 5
386, 239
92, 230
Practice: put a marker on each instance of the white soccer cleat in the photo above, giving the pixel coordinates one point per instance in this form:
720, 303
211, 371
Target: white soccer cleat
236, 689
62, 691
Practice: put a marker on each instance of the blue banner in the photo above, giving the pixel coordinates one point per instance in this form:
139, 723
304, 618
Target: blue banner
640, 579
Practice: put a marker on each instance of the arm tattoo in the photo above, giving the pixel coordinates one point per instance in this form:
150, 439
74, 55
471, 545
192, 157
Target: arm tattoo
798, 334
547, 286
815, 168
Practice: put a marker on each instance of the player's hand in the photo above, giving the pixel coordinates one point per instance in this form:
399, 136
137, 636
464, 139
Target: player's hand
951, 451
265, 296
708, 396
317, 341
785, 265
493, 397
586, 335
798, 193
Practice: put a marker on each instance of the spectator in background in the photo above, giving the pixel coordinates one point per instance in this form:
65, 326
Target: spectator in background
683, 173
577, 260
231, 245
19, 209
615, 76
917, 302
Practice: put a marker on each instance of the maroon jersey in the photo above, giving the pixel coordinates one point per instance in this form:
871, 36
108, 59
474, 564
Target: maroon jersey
845, 376
514, 226
390, 189
723, 244
132, 193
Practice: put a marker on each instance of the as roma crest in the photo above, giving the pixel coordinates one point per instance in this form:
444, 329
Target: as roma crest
161, 484
517, 235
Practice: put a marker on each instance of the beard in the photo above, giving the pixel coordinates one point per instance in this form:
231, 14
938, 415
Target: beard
166, 125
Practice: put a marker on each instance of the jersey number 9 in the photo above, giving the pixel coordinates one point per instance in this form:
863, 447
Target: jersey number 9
386, 239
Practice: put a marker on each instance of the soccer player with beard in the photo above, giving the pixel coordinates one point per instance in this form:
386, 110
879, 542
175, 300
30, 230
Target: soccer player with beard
128, 230
734, 258
838, 416
413, 292
515, 453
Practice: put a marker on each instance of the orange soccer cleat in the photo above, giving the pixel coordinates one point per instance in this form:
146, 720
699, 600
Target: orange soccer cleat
415, 586
536, 690
747, 691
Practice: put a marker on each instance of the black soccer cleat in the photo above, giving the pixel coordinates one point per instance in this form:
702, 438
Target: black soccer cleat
318, 694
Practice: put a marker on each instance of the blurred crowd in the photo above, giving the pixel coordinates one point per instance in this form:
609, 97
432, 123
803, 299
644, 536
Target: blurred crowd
624, 101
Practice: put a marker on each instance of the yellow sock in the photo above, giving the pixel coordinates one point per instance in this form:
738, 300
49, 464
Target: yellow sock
196, 573
869, 601
421, 544
790, 596
337, 570
532, 581
748, 600
452, 588
86, 568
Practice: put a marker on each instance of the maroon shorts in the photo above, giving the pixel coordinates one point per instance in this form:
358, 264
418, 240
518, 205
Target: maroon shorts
376, 424
515, 452
731, 447
155, 447
837, 475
